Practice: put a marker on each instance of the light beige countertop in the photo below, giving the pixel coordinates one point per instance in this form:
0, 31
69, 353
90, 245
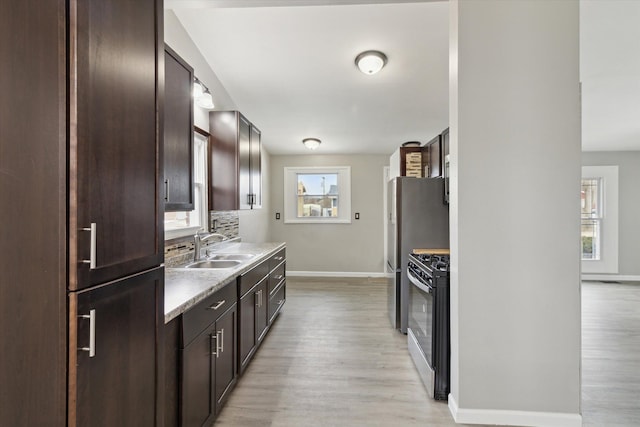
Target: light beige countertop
186, 287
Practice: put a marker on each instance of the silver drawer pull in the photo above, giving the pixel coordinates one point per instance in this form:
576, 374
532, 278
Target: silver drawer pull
278, 258
92, 255
92, 332
215, 337
278, 277
218, 305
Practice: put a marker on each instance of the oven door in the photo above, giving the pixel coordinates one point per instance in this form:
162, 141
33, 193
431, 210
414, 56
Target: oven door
420, 330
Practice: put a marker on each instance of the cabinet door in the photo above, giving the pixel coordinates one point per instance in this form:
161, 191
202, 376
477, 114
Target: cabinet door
247, 328
226, 360
244, 162
112, 378
178, 133
198, 379
113, 144
262, 302
256, 175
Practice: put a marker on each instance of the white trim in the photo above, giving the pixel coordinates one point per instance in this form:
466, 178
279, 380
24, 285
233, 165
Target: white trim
290, 192
333, 274
181, 232
608, 262
514, 418
615, 277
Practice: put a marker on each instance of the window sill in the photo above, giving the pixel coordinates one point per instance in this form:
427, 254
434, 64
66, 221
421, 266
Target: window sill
317, 221
180, 232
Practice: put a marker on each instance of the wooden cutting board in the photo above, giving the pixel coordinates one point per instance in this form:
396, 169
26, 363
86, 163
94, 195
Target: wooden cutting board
432, 251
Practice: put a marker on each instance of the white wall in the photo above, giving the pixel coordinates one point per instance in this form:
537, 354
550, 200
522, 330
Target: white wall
628, 163
324, 248
254, 225
515, 179
178, 39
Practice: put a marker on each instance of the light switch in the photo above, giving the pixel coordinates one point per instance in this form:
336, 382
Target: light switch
277, 215
357, 215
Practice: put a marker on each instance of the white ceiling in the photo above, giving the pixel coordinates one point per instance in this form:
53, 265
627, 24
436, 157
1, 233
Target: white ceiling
290, 69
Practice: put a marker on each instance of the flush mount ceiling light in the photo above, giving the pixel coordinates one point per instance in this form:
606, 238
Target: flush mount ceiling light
371, 61
311, 143
202, 96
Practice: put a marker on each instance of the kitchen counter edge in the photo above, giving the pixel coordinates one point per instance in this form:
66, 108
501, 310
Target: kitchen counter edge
184, 288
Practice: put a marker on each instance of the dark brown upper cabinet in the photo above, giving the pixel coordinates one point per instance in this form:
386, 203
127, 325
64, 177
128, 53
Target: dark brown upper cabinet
115, 161
178, 133
235, 180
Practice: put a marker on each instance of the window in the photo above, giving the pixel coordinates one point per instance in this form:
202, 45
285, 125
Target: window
317, 194
177, 224
599, 219
591, 210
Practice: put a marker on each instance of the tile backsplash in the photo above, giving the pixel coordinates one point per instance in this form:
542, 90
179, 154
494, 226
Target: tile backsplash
179, 251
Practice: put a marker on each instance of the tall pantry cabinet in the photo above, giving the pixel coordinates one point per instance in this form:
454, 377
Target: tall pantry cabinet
80, 167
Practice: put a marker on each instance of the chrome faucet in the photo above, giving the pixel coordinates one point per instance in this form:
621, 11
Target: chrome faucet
199, 238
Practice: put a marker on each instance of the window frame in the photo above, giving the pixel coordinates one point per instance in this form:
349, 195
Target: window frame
608, 219
291, 194
200, 166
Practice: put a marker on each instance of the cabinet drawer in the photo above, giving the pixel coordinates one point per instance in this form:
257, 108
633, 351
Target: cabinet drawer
249, 279
277, 259
206, 312
276, 276
276, 301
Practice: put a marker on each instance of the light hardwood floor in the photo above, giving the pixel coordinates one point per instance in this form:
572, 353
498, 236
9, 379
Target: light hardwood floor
332, 359
610, 354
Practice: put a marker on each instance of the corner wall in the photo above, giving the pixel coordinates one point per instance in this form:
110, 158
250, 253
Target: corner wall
515, 226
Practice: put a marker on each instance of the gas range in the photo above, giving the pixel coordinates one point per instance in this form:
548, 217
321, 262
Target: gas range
427, 267
428, 334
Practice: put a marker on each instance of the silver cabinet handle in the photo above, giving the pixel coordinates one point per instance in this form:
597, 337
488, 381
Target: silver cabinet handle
166, 190
215, 337
92, 254
218, 305
92, 332
278, 277
278, 258
221, 348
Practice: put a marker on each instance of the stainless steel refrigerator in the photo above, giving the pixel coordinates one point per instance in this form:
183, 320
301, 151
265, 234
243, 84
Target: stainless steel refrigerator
417, 218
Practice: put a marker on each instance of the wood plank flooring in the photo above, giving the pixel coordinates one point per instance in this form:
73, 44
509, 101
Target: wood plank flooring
332, 359
610, 354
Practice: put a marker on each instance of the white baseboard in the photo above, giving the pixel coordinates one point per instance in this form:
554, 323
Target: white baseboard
333, 274
513, 418
614, 277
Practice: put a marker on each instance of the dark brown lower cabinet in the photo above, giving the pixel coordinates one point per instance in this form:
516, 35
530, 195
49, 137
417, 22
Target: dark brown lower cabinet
253, 320
208, 370
112, 358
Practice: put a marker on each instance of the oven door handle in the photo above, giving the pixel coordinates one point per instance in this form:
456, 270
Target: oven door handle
422, 286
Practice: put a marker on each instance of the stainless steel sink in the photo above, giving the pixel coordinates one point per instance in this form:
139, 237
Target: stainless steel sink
236, 257
214, 263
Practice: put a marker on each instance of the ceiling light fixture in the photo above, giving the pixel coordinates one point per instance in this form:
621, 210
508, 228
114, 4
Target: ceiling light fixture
371, 61
311, 143
202, 95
